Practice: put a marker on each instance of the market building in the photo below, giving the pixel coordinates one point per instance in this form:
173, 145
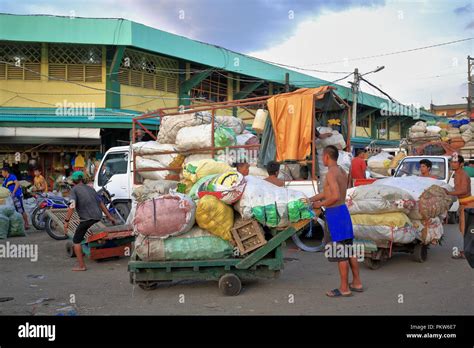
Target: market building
69, 87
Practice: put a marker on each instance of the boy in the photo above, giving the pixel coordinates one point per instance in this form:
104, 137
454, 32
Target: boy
273, 169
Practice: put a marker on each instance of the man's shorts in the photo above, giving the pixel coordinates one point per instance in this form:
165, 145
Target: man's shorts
81, 230
340, 250
18, 202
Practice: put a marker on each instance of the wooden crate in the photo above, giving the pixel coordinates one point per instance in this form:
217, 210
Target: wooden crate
248, 235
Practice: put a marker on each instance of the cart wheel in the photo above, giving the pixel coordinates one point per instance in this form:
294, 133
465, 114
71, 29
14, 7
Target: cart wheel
371, 263
420, 253
147, 286
230, 284
70, 249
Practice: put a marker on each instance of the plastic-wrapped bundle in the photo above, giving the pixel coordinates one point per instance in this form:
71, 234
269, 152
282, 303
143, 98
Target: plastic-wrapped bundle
196, 244
227, 187
193, 171
215, 217
224, 136
146, 159
434, 231
374, 199
167, 215
335, 139
435, 202
235, 123
270, 205
197, 137
4, 192
4, 226
170, 126
153, 189
403, 235
17, 227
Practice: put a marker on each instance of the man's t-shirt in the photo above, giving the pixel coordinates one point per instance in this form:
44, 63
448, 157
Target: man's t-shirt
9, 183
86, 202
358, 168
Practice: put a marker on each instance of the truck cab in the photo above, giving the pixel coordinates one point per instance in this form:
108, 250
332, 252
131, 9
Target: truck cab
115, 171
411, 166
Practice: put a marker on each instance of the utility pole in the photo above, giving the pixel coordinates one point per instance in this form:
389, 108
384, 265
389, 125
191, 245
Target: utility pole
355, 92
470, 83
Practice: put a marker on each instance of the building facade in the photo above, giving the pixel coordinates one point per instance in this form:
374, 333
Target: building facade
69, 87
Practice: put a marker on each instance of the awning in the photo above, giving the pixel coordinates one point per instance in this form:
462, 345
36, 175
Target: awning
74, 133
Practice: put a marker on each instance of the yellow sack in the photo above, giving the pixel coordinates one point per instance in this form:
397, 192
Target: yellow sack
193, 171
397, 219
4, 192
215, 217
397, 159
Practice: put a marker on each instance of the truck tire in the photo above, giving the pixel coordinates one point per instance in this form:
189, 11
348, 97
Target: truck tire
53, 231
123, 209
371, 263
420, 253
230, 284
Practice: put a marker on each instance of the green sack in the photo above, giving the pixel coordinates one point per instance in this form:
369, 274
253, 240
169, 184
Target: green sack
198, 248
17, 228
4, 226
271, 215
259, 214
7, 210
224, 136
297, 210
198, 186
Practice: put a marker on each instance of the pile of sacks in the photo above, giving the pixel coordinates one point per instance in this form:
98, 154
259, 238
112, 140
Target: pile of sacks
11, 222
197, 222
398, 209
458, 133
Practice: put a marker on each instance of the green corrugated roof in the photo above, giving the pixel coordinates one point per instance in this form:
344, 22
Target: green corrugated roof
48, 116
114, 31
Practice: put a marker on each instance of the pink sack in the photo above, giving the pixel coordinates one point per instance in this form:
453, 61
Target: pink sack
165, 216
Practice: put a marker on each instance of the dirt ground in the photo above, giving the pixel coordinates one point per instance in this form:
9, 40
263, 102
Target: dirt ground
440, 286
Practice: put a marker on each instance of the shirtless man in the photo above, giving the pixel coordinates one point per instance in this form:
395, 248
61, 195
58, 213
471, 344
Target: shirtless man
338, 222
462, 190
272, 169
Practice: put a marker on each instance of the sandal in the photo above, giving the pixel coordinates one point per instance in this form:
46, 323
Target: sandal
337, 293
356, 289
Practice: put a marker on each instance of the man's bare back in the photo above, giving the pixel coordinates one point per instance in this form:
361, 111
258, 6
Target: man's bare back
462, 181
338, 175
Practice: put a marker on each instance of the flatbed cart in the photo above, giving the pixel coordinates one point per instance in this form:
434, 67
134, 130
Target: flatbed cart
101, 242
265, 262
381, 251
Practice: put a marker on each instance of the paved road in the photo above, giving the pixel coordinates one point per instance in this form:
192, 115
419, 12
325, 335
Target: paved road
439, 286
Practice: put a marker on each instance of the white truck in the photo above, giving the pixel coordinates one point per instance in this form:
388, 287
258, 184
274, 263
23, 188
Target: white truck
410, 165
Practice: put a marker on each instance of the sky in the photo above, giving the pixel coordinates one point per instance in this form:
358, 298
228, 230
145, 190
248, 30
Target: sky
322, 35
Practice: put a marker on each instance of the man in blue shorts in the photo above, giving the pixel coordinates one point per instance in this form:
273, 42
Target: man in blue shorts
10, 182
339, 223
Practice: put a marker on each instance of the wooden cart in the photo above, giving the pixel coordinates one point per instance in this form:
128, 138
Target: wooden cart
101, 241
265, 262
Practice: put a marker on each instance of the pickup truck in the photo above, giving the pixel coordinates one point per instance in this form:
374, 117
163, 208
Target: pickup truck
410, 165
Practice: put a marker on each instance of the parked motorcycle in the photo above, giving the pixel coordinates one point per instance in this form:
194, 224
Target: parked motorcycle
39, 218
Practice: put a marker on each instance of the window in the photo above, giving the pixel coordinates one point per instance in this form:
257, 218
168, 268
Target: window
365, 123
412, 167
20, 61
81, 63
145, 70
115, 163
212, 89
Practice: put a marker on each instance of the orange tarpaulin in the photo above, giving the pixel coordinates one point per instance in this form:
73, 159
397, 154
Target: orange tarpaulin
291, 115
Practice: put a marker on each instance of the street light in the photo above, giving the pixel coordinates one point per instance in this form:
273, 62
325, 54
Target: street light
355, 92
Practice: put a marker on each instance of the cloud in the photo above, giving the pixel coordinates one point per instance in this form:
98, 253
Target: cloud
237, 25
468, 8
359, 32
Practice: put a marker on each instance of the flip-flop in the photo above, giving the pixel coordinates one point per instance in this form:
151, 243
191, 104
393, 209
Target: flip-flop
356, 289
338, 293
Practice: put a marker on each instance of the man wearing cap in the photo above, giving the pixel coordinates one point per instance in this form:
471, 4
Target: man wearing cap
89, 207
